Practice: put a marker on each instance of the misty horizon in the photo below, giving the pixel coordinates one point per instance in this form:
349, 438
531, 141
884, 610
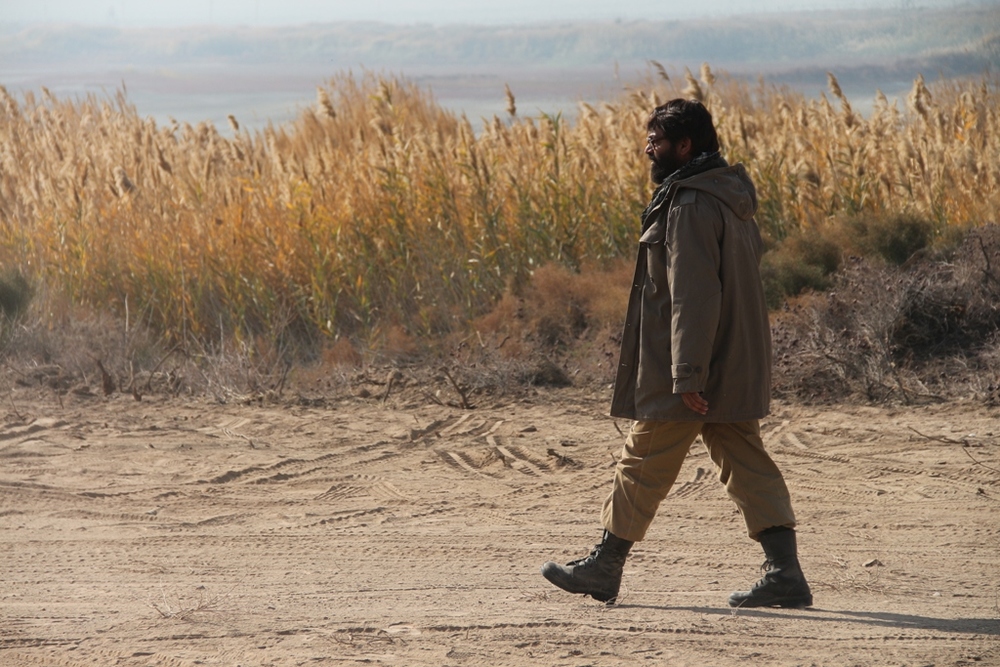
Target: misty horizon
269, 75
181, 13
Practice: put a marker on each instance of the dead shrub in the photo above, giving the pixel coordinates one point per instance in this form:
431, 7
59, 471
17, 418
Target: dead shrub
398, 343
807, 259
560, 319
554, 305
562, 304
884, 332
558, 306
954, 304
341, 352
58, 347
840, 343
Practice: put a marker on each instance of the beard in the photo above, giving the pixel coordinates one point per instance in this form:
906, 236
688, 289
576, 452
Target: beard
660, 170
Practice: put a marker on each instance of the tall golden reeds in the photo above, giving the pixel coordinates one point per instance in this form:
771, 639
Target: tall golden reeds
377, 208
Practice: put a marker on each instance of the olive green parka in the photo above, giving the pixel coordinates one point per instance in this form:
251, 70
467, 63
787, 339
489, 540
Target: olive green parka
697, 320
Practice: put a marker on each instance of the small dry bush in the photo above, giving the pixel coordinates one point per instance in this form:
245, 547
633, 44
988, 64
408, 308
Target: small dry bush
570, 317
895, 238
803, 261
926, 330
561, 305
15, 294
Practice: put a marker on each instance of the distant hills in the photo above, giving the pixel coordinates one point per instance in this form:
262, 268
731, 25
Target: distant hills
268, 74
954, 41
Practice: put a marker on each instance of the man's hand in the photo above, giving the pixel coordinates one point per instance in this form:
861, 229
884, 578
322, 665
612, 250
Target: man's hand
695, 401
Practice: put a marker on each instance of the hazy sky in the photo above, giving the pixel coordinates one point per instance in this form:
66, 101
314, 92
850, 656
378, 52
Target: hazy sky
276, 12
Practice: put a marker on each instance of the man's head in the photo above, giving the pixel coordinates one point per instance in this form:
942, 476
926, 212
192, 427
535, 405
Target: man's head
678, 132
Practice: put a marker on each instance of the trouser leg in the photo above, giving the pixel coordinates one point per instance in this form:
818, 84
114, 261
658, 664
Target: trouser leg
650, 461
749, 474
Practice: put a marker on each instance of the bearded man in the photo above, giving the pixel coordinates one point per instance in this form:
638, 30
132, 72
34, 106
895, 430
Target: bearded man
695, 359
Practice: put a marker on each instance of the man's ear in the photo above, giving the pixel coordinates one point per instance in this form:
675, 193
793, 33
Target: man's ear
684, 148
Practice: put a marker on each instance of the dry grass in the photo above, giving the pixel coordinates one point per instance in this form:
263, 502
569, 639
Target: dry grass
813, 161
381, 219
192, 606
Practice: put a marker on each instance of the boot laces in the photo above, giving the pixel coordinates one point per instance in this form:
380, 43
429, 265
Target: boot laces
589, 557
765, 568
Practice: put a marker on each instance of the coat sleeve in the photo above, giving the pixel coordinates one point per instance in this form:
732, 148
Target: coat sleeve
693, 235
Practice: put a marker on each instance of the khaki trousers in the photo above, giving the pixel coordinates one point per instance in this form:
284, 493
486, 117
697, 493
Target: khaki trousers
652, 458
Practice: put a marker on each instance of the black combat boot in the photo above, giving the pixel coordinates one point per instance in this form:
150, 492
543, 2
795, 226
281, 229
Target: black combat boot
599, 575
783, 584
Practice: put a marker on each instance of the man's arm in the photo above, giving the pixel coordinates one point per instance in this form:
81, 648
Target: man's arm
693, 231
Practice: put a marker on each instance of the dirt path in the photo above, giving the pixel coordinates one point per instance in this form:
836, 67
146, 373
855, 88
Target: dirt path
170, 532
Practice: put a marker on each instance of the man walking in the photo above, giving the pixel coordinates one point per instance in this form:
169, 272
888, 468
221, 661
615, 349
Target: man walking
695, 359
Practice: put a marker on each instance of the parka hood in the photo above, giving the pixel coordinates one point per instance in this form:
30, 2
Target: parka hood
731, 185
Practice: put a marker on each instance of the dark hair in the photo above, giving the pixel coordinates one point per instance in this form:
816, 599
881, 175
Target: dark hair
681, 118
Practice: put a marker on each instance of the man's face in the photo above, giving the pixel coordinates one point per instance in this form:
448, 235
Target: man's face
665, 156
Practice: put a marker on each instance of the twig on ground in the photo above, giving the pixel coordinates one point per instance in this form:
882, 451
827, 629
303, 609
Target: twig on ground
203, 603
20, 417
149, 380
963, 442
465, 401
432, 397
562, 460
394, 376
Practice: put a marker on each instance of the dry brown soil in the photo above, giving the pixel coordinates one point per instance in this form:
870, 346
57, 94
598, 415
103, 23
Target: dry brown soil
187, 532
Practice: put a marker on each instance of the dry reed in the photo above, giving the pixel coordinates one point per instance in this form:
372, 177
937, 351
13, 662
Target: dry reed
378, 210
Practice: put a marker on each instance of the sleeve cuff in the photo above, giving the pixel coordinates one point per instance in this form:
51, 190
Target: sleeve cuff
687, 378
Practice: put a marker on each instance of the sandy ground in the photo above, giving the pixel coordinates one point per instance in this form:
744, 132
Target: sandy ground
185, 532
